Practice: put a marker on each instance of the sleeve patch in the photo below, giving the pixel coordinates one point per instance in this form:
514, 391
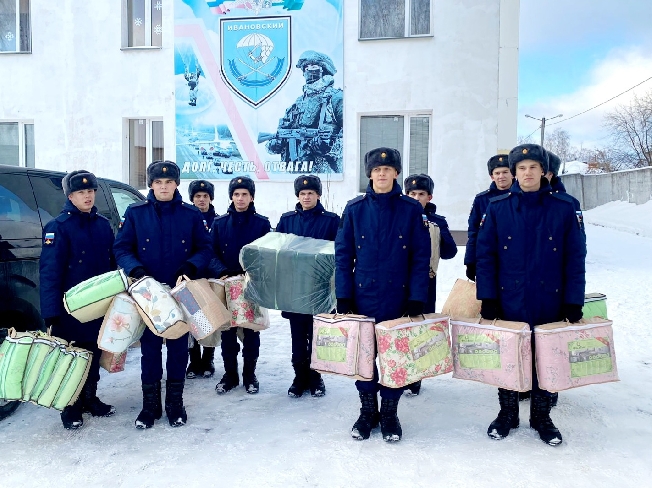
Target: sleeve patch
483, 217
580, 218
122, 222
49, 238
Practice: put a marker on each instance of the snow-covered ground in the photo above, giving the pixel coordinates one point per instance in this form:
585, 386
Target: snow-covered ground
623, 216
271, 440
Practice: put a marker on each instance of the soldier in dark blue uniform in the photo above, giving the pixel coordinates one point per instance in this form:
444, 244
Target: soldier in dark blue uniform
555, 181
382, 257
231, 231
202, 193
164, 238
309, 219
530, 268
442, 244
501, 180
76, 246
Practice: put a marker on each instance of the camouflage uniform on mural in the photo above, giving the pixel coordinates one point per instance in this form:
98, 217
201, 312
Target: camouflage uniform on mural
311, 129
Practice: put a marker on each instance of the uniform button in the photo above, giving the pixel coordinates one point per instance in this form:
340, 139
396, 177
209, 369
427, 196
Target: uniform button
185, 250
400, 237
360, 285
225, 245
147, 240
404, 247
358, 247
557, 290
509, 237
143, 248
363, 237
502, 288
80, 260
554, 248
505, 247
550, 238
182, 241
373, 281
83, 252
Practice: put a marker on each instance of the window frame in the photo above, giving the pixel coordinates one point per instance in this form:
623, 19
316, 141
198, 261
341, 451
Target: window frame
406, 30
22, 150
148, 145
17, 31
148, 27
405, 150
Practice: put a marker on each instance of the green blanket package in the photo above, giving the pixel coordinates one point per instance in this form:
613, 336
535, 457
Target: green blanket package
14, 352
74, 379
47, 396
595, 305
90, 299
43, 347
290, 273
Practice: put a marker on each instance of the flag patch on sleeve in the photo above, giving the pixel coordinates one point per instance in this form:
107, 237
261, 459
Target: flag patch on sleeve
122, 222
49, 238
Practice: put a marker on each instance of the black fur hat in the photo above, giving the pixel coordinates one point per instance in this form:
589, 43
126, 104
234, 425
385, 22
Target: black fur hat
497, 161
242, 182
201, 185
78, 180
163, 169
528, 151
418, 182
382, 156
554, 163
307, 182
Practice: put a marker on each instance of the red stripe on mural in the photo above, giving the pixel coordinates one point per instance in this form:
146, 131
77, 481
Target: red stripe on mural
209, 65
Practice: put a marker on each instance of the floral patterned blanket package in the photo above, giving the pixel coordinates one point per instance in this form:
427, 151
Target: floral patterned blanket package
413, 348
113, 362
344, 345
122, 325
158, 308
90, 299
202, 310
573, 355
244, 313
497, 353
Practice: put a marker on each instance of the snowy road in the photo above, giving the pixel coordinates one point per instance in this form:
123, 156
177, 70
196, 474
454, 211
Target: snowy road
271, 440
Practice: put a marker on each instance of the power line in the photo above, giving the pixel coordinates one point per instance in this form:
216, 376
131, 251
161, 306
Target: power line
607, 101
533, 132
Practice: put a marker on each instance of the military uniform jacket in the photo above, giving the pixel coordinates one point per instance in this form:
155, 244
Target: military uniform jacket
76, 247
316, 222
161, 237
208, 217
382, 254
447, 246
230, 233
531, 255
479, 207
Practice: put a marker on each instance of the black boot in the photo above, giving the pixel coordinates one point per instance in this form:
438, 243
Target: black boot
554, 397
249, 379
413, 389
317, 386
71, 417
523, 395
152, 408
195, 364
369, 416
540, 419
231, 379
174, 408
389, 423
507, 417
207, 368
94, 405
301, 380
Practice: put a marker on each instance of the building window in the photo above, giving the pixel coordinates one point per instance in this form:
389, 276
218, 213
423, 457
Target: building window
390, 131
145, 145
17, 144
383, 19
142, 23
15, 29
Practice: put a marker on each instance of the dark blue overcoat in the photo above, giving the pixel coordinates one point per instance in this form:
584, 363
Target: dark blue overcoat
479, 207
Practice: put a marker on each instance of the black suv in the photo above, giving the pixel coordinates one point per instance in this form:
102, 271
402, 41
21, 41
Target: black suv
29, 199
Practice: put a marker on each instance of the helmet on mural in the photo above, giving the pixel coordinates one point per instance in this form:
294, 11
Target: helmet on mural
313, 57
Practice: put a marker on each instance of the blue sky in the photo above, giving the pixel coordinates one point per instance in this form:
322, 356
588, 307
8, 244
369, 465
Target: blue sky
575, 54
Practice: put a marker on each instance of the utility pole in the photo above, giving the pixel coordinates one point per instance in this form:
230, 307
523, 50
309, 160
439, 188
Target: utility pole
543, 124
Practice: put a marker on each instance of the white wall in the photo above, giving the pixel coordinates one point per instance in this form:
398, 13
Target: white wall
78, 86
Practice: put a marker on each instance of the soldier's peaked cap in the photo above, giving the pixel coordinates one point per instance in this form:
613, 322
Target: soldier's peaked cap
307, 182
497, 161
201, 185
313, 57
416, 182
382, 156
528, 151
78, 180
242, 183
554, 163
163, 170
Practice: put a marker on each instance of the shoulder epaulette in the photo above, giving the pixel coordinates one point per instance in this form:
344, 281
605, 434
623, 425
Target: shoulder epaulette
356, 200
62, 217
501, 197
483, 192
562, 196
261, 216
330, 214
289, 214
223, 216
103, 217
139, 204
189, 206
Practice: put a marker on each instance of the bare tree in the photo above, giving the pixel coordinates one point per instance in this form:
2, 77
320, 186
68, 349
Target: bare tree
631, 129
558, 141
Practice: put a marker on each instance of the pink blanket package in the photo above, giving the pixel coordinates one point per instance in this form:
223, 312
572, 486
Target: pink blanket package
413, 348
572, 355
497, 353
344, 345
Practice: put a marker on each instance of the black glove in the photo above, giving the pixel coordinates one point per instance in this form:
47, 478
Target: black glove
470, 271
138, 272
344, 305
187, 269
414, 308
52, 322
490, 309
571, 312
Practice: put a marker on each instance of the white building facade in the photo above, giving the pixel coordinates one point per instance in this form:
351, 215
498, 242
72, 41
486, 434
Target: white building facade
90, 85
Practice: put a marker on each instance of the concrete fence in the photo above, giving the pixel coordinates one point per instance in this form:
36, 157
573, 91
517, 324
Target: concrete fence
634, 186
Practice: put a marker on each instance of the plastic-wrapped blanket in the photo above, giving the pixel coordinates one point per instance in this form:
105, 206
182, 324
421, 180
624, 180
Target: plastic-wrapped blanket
573, 355
497, 353
290, 273
244, 313
122, 325
90, 299
158, 308
203, 312
344, 345
413, 348
595, 305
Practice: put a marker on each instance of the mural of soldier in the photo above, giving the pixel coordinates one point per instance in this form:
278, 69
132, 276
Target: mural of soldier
193, 81
311, 129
